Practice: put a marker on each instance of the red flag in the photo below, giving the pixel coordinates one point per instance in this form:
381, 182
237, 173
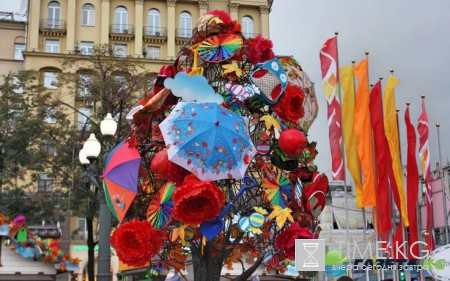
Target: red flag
330, 78
382, 157
412, 183
424, 153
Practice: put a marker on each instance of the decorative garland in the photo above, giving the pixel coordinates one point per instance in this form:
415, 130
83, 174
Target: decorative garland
21, 241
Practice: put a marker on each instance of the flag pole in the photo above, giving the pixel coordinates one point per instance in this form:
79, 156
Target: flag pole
374, 163
392, 234
363, 210
380, 78
347, 234
405, 248
375, 210
444, 189
419, 228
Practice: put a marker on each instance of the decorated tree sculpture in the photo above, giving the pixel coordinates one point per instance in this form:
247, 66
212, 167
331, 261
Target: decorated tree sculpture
226, 173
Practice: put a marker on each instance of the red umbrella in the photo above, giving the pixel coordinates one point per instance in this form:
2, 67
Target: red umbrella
120, 178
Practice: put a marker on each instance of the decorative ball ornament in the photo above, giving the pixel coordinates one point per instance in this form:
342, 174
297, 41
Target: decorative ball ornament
292, 142
263, 147
160, 164
189, 233
244, 224
256, 219
267, 257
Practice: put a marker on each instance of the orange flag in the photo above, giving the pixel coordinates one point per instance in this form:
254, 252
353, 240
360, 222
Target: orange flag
363, 133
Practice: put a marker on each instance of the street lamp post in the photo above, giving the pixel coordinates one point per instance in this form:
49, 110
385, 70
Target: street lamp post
88, 156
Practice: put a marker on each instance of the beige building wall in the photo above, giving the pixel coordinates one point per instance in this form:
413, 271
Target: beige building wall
12, 33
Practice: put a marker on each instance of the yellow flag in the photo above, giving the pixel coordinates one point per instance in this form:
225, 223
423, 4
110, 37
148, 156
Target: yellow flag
391, 130
363, 134
348, 116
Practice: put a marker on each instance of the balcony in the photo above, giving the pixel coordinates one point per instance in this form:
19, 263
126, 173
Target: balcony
52, 27
121, 32
153, 34
183, 35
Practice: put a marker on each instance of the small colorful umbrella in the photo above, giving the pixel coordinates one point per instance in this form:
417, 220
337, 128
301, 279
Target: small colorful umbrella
160, 209
218, 48
277, 186
208, 140
298, 77
120, 178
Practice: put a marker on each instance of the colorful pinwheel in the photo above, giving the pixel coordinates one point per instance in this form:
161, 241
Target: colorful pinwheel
276, 186
219, 48
160, 209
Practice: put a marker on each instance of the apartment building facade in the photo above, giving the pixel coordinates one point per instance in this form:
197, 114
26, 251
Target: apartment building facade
148, 31
13, 37
154, 30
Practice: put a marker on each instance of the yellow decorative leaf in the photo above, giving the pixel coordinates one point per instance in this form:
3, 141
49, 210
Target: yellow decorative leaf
260, 210
254, 230
270, 122
232, 67
281, 215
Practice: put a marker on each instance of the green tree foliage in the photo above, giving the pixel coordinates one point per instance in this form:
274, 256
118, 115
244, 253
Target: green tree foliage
40, 134
24, 105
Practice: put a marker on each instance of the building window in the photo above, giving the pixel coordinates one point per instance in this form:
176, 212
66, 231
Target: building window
50, 115
84, 85
121, 20
18, 85
82, 229
121, 50
153, 53
84, 114
121, 81
51, 79
185, 27
248, 29
87, 48
88, 15
45, 183
47, 148
154, 19
52, 46
54, 15
18, 49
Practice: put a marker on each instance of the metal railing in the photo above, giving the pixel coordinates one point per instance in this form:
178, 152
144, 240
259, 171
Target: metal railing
52, 24
184, 32
155, 31
121, 28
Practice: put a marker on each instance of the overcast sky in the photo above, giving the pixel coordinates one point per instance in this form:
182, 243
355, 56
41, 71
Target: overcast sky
410, 36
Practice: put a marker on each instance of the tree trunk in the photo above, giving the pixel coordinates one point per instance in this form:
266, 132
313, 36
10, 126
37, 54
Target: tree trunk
91, 249
206, 267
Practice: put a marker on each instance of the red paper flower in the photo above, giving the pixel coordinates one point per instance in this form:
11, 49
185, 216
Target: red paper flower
290, 106
136, 242
197, 201
286, 240
259, 49
176, 173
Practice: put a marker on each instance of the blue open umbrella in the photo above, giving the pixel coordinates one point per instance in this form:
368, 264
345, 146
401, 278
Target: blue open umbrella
208, 140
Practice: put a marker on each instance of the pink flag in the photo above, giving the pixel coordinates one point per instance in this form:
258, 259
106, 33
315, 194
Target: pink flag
424, 153
330, 77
